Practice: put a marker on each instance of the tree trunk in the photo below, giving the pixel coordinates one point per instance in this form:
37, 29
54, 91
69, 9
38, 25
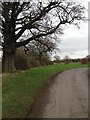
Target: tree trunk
8, 63
8, 59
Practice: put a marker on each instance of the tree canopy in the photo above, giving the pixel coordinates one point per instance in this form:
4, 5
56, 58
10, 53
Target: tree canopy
25, 22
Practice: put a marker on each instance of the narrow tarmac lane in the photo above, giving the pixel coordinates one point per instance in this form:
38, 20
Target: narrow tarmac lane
67, 97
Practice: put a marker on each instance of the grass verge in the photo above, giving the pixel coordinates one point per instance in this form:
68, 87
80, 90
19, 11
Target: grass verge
19, 89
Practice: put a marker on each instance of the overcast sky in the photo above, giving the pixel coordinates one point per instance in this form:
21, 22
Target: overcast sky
74, 42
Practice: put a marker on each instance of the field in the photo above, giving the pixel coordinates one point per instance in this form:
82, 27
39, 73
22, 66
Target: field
20, 89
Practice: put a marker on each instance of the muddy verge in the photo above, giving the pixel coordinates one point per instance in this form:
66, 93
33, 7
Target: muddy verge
40, 94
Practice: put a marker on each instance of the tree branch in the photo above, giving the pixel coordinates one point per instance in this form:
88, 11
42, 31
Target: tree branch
43, 13
25, 42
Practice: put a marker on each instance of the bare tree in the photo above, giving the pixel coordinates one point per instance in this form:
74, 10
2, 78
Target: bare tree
23, 22
67, 59
42, 50
57, 58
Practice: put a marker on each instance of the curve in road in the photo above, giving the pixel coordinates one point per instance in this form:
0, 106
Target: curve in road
67, 97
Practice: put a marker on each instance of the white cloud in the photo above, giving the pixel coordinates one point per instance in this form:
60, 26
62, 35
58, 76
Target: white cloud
75, 54
75, 42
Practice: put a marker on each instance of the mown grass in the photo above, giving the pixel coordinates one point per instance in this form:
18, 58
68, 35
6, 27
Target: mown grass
19, 89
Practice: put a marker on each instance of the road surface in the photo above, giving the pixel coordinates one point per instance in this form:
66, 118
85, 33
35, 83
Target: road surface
67, 97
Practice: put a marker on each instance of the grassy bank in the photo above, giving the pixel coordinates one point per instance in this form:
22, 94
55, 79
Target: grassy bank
19, 89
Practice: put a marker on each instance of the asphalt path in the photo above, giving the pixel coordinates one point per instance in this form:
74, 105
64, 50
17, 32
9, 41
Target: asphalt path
67, 97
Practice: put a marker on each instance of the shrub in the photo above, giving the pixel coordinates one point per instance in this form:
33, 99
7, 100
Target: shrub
21, 60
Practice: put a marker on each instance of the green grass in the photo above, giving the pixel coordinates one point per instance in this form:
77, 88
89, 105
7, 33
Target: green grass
20, 89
